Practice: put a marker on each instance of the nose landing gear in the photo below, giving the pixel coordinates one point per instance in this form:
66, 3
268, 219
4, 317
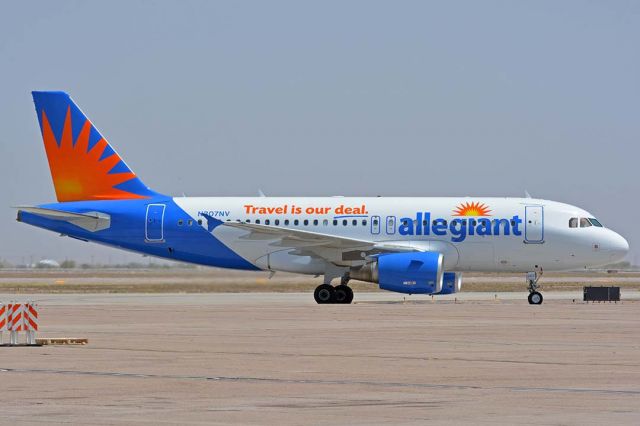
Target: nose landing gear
535, 297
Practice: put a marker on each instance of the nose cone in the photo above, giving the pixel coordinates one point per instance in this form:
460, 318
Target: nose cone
617, 246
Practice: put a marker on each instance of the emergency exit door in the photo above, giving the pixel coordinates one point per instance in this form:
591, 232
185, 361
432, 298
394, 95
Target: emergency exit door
534, 224
154, 223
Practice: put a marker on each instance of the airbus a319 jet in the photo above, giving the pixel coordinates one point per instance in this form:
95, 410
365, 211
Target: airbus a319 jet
406, 245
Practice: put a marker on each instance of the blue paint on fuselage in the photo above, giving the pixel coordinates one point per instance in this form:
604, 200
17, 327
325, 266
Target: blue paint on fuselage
185, 243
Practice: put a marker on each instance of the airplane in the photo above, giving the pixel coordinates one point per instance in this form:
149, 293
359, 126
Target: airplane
405, 245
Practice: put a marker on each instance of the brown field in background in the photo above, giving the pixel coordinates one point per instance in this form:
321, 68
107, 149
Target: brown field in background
213, 280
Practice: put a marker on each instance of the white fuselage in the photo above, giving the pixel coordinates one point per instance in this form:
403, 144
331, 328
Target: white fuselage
510, 234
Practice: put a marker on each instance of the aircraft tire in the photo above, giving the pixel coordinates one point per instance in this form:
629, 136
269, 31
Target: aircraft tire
535, 298
343, 294
324, 294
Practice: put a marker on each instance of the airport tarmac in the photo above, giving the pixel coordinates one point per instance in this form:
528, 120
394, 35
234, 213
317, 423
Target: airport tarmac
275, 358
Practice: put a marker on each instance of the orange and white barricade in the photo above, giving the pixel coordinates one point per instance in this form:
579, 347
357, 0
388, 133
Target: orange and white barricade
3, 320
30, 316
14, 321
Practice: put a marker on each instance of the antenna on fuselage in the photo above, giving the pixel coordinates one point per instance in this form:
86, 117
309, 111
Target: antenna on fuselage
260, 193
526, 194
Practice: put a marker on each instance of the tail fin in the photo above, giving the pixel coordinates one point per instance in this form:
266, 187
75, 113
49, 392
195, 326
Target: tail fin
83, 165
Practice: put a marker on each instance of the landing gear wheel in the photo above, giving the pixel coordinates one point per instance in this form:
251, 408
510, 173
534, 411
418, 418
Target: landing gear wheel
324, 293
343, 294
535, 298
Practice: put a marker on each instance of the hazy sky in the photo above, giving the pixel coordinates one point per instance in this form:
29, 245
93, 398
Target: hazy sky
331, 98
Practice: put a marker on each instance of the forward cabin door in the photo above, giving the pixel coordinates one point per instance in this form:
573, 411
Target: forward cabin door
534, 224
154, 223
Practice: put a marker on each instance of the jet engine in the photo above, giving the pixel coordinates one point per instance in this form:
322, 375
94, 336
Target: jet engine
410, 273
451, 283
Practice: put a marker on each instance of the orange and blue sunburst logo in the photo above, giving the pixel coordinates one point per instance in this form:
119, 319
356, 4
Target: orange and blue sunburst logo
83, 164
472, 209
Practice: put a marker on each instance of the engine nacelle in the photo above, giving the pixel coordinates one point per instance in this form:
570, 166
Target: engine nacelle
410, 273
451, 283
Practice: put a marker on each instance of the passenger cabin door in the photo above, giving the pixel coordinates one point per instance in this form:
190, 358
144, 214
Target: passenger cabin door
154, 223
534, 224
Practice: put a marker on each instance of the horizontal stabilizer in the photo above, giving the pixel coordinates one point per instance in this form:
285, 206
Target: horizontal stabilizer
90, 221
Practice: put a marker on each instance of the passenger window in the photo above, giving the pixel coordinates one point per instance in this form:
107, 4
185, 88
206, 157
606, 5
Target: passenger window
258, 221
364, 222
335, 222
190, 222
248, 220
199, 221
315, 222
325, 222
277, 222
584, 222
306, 222
344, 222
573, 222
354, 222
296, 222
266, 221
286, 222
180, 222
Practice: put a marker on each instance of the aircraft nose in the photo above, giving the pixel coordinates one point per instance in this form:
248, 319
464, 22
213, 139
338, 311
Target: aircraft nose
617, 246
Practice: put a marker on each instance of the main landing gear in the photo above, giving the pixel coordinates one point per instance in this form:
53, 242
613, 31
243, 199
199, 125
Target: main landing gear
326, 293
535, 297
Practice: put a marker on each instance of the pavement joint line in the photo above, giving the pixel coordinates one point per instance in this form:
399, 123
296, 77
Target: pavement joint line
321, 382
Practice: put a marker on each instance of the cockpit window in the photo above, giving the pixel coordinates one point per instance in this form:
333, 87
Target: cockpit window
573, 222
584, 222
594, 222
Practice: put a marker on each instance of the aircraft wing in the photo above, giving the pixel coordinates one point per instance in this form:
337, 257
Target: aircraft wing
91, 221
336, 249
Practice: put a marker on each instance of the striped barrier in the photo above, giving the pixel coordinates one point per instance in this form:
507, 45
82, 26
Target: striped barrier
17, 317
3, 320
31, 322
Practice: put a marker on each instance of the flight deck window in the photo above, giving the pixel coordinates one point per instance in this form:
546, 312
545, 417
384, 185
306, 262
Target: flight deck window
573, 222
584, 222
595, 222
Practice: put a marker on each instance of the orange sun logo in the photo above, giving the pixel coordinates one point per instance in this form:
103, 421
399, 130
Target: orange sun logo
472, 209
78, 172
